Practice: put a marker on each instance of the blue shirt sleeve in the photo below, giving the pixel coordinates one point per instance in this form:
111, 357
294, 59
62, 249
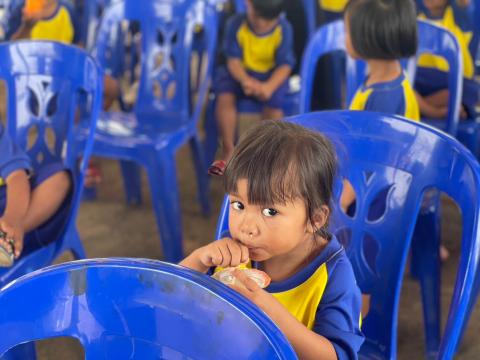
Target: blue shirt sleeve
338, 314
389, 102
12, 158
231, 47
285, 53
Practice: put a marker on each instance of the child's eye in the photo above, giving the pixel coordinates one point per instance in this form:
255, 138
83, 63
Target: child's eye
269, 212
237, 205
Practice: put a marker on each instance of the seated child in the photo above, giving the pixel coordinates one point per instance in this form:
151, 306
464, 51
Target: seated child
259, 52
431, 80
53, 20
34, 203
381, 32
280, 181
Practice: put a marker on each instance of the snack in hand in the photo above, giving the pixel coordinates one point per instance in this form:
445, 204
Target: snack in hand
226, 276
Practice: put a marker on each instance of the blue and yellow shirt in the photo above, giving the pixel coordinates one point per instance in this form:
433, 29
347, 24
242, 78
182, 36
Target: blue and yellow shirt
458, 20
336, 6
12, 158
58, 27
324, 296
260, 53
392, 97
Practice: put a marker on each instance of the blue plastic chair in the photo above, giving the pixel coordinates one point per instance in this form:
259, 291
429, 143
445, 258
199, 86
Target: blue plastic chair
328, 39
45, 82
164, 117
137, 309
389, 155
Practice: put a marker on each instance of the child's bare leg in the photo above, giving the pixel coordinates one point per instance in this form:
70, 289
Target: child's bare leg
111, 91
439, 98
46, 199
226, 112
269, 113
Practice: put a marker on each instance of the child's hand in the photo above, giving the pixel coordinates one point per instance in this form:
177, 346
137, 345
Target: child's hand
15, 233
265, 91
225, 252
250, 289
251, 86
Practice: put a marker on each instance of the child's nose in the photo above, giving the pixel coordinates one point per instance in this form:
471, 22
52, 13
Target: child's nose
249, 227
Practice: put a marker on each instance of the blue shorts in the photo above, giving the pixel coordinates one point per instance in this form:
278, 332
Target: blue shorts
428, 81
51, 230
225, 83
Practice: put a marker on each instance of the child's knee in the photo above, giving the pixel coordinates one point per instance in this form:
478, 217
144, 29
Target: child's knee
62, 181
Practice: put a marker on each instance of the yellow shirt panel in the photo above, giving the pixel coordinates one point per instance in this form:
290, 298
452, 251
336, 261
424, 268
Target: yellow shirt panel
463, 38
58, 28
259, 51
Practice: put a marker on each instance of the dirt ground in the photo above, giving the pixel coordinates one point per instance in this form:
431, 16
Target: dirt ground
109, 228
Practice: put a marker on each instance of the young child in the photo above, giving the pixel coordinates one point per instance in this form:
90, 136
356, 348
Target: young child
381, 32
34, 204
259, 52
280, 182
431, 77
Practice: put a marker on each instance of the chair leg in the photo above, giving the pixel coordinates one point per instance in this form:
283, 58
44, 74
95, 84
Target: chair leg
76, 245
131, 182
426, 268
202, 179
211, 134
166, 204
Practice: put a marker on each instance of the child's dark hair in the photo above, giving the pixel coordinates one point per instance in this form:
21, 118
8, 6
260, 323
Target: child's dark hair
283, 161
268, 9
382, 29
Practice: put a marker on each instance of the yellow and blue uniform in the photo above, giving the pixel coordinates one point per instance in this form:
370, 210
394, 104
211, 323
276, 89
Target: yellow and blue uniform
60, 26
12, 159
391, 97
432, 70
324, 296
260, 54
332, 9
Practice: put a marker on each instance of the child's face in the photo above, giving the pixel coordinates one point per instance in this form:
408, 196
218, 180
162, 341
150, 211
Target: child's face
251, 14
435, 7
269, 231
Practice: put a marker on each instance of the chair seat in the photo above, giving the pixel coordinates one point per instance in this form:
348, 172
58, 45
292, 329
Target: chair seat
123, 130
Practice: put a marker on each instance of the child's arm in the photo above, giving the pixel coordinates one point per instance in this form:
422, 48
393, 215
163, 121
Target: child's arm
307, 344
18, 199
24, 30
278, 77
237, 70
225, 252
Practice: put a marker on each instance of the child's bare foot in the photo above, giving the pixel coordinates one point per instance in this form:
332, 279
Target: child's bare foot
444, 253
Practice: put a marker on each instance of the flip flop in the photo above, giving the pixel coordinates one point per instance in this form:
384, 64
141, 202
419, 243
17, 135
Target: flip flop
6, 257
217, 168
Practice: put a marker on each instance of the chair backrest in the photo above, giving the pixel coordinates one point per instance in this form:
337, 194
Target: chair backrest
309, 8
328, 39
390, 162
167, 32
137, 309
436, 40
53, 91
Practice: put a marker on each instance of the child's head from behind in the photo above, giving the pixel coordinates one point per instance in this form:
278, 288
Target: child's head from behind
381, 29
264, 9
280, 181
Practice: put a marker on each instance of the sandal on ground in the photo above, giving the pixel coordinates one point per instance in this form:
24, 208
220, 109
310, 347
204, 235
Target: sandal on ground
6, 257
217, 168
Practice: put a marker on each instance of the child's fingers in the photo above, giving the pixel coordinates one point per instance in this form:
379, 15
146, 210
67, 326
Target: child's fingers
215, 257
249, 284
245, 254
235, 253
226, 256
